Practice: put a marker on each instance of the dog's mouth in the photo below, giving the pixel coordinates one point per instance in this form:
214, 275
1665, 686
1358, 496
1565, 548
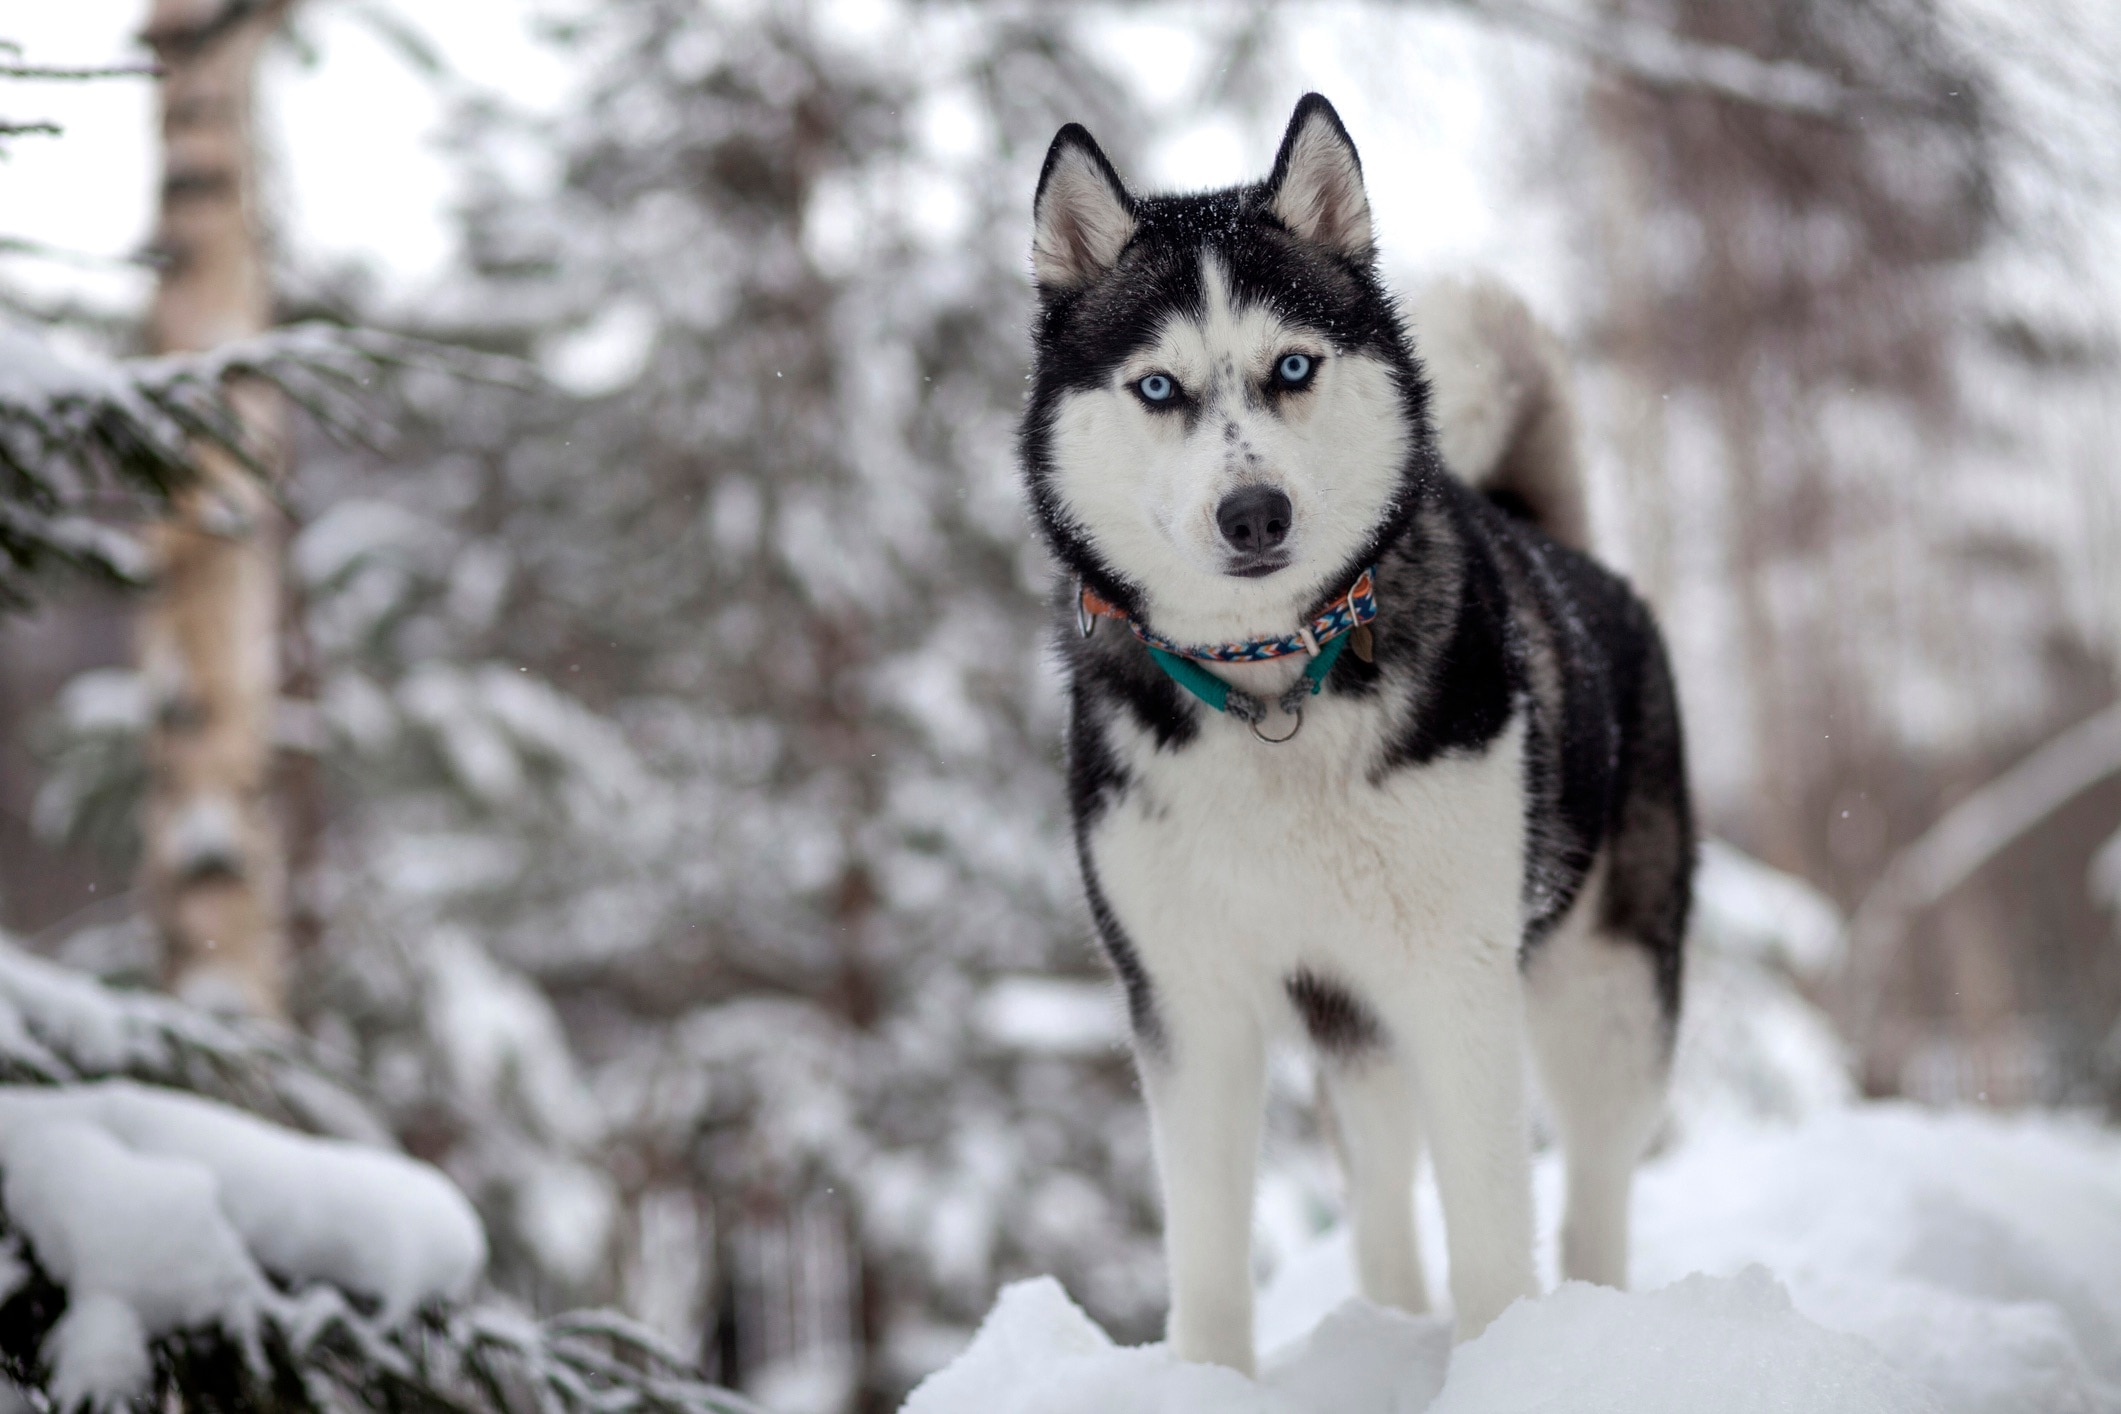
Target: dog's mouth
1256, 566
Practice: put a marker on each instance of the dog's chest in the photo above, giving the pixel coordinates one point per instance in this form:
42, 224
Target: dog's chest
1232, 856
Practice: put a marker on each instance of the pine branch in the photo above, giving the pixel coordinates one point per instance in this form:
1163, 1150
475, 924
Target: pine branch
315, 1353
58, 1027
81, 438
313, 1350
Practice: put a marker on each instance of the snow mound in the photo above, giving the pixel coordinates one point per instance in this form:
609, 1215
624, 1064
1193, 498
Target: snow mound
1037, 1353
1982, 1255
1735, 1345
1869, 1259
159, 1211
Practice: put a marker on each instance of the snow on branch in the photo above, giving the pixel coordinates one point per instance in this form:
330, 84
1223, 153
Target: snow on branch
58, 1027
164, 1250
82, 436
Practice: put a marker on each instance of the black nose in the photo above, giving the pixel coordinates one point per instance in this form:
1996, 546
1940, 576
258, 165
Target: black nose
1255, 519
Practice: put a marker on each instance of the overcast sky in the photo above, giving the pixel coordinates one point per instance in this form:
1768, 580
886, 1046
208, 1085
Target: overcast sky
351, 133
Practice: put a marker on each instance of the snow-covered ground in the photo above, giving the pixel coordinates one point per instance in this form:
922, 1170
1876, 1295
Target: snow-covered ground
1870, 1259
1794, 1250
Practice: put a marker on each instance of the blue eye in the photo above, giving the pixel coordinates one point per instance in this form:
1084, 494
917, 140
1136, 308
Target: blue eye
1294, 368
1157, 388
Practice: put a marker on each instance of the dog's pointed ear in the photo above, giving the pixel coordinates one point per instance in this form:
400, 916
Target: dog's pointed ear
1082, 216
1316, 190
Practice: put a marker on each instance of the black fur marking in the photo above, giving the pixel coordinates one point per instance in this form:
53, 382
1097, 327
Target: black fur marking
1473, 692
1096, 782
1338, 1022
1113, 666
1650, 870
1512, 505
1142, 1015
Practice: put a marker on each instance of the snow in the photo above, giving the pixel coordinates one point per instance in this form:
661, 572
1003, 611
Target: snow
1867, 1259
1734, 1345
1751, 1048
1981, 1255
1752, 910
34, 374
1051, 1016
57, 1025
56, 1019
160, 1211
137, 1240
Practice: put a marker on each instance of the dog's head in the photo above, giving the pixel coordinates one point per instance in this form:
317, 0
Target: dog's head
1225, 421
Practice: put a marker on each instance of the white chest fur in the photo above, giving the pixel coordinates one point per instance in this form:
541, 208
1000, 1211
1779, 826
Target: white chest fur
1233, 863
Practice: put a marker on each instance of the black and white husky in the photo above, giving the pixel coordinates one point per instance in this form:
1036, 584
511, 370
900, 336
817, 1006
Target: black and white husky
1363, 747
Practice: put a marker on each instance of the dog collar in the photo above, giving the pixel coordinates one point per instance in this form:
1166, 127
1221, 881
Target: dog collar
1323, 639
1343, 616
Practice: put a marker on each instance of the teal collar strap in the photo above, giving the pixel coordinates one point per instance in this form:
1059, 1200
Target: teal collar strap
1346, 620
1242, 705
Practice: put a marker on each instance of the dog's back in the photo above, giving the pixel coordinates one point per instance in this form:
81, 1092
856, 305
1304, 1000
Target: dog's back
1503, 411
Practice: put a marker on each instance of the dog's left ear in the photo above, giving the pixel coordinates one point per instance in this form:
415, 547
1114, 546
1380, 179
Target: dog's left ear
1082, 217
1316, 190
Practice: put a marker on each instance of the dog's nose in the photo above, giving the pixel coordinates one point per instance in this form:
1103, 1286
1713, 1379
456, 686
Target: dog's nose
1255, 519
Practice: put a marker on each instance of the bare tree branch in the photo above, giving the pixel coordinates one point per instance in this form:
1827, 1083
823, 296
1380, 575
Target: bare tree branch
1657, 58
93, 71
1968, 836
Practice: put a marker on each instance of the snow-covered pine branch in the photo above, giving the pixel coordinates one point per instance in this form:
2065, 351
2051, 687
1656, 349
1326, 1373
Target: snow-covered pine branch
58, 1027
82, 437
160, 1249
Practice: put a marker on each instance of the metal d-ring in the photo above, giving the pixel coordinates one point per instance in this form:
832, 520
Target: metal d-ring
1278, 740
1085, 621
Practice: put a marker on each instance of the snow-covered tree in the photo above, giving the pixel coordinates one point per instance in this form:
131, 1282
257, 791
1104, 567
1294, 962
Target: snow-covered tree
195, 1217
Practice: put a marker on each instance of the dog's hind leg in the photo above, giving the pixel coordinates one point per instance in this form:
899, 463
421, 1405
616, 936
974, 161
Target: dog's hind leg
1377, 1134
1600, 1040
1206, 1091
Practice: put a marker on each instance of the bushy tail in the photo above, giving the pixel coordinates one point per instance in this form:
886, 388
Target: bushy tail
1499, 396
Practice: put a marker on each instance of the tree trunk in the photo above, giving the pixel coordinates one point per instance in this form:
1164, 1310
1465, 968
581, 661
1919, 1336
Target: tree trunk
213, 872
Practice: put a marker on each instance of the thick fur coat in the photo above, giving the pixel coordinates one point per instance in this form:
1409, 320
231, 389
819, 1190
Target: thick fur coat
1477, 843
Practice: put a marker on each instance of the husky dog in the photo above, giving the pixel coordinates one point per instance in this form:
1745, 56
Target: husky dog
1371, 751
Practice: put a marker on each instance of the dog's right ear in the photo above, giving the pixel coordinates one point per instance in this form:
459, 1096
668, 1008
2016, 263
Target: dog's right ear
1082, 217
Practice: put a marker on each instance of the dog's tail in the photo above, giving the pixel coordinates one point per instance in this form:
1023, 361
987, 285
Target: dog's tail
1499, 396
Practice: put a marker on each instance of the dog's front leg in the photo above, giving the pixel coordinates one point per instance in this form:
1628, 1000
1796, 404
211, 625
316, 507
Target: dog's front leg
1465, 1028
1205, 1087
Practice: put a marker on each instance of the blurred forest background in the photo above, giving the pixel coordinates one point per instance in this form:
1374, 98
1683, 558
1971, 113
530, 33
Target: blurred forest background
644, 780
